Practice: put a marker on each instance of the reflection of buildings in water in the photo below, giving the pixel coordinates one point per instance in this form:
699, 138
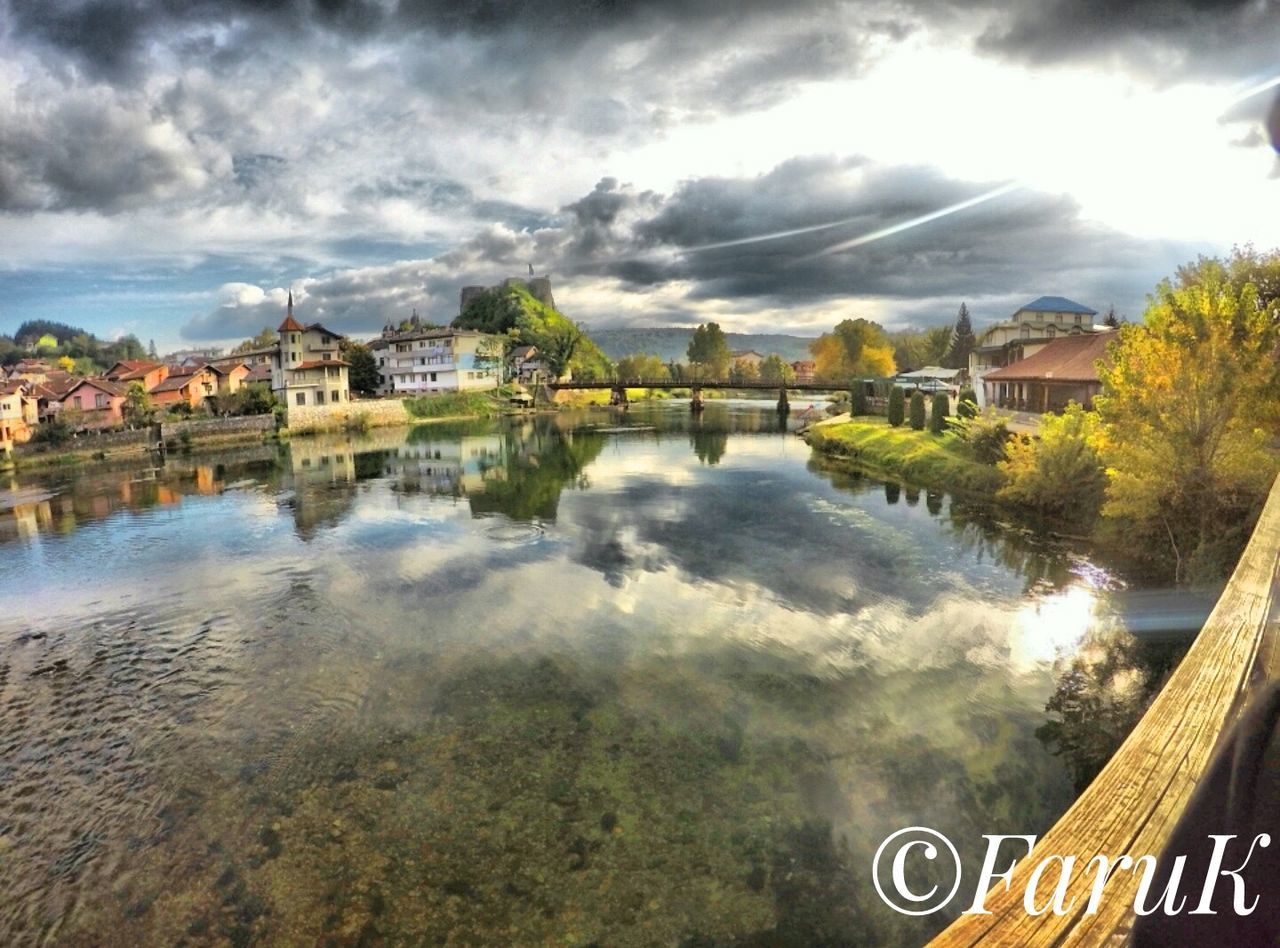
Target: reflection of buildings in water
323, 477
452, 467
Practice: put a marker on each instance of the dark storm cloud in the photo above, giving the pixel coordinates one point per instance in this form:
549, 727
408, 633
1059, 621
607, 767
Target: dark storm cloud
1014, 244
1205, 36
1016, 247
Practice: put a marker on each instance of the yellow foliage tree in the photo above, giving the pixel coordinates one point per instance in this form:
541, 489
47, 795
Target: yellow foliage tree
856, 348
1186, 408
66, 363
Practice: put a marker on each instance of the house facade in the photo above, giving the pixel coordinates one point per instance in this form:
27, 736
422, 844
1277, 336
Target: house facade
1061, 371
1026, 332
435, 361
189, 385
307, 370
96, 402
805, 370
18, 413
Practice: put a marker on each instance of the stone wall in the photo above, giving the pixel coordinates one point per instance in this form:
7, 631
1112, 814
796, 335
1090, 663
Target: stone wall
379, 412
91, 442
202, 429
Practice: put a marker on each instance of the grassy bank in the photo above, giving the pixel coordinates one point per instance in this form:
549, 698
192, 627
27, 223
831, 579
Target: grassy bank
460, 405
939, 461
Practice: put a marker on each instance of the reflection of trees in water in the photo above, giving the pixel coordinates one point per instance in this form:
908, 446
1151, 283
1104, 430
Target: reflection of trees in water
1103, 690
708, 443
1038, 559
526, 481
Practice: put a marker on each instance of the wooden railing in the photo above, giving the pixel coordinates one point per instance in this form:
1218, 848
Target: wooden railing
1133, 804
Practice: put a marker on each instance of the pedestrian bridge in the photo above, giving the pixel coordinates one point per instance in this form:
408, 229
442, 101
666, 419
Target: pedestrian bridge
1133, 804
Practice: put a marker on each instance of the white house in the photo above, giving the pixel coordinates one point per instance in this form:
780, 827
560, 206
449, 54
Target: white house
434, 361
1025, 333
307, 369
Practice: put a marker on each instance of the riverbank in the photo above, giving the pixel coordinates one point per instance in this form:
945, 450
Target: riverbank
926, 459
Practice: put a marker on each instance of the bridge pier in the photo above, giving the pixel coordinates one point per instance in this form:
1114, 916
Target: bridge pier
784, 406
618, 396
695, 399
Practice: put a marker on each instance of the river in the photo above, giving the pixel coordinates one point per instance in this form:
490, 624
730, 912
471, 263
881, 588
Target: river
578, 679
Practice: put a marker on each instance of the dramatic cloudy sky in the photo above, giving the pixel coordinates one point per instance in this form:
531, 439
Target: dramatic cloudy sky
171, 167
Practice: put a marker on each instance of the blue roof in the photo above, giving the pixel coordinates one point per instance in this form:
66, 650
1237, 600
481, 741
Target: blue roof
1057, 304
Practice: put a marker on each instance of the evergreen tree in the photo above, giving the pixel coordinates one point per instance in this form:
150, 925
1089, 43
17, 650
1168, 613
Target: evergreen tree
858, 401
151, 351
917, 410
962, 341
897, 406
968, 404
939, 412
1111, 319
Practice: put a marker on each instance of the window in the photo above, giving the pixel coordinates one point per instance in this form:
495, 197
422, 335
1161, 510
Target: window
433, 376
302, 398
320, 397
1051, 331
99, 401
77, 401
1079, 319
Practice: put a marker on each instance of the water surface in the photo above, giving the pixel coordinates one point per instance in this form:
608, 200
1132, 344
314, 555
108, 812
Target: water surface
576, 679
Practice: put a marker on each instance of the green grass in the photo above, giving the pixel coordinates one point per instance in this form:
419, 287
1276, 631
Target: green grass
455, 404
940, 461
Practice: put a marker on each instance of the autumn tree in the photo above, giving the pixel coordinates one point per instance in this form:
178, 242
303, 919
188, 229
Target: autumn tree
916, 348
1060, 472
1189, 405
744, 371
856, 348
137, 408
708, 351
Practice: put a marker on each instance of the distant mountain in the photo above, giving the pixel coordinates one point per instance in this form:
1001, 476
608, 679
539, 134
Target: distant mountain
671, 343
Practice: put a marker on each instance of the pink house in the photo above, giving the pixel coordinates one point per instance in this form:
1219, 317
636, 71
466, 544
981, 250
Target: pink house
99, 403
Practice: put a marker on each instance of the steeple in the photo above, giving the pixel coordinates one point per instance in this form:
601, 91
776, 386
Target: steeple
290, 324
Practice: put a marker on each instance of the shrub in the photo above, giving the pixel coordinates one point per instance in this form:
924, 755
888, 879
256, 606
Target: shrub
858, 402
938, 413
987, 436
1059, 473
53, 432
357, 423
968, 405
917, 410
897, 406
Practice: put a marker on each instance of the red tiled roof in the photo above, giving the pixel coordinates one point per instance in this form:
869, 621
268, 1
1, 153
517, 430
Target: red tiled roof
291, 325
259, 373
104, 385
1069, 359
132, 370
320, 364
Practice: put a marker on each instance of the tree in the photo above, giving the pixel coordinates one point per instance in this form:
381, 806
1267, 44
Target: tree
363, 373
968, 403
66, 363
856, 348
858, 405
744, 371
916, 348
917, 410
151, 351
774, 369
1059, 473
557, 342
1111, 320
938, 413
642, 366
262, 340
1190, 401
897, 406
962, 341
708, 351
137, 405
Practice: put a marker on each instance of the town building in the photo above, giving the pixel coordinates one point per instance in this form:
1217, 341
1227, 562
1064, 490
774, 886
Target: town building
526, 366
230, 375
1026, 332
19, 413
95, 402
148, 374
805, 370
745, 357
185, 384
434, 361
1061, 371
931, 378
308, 370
